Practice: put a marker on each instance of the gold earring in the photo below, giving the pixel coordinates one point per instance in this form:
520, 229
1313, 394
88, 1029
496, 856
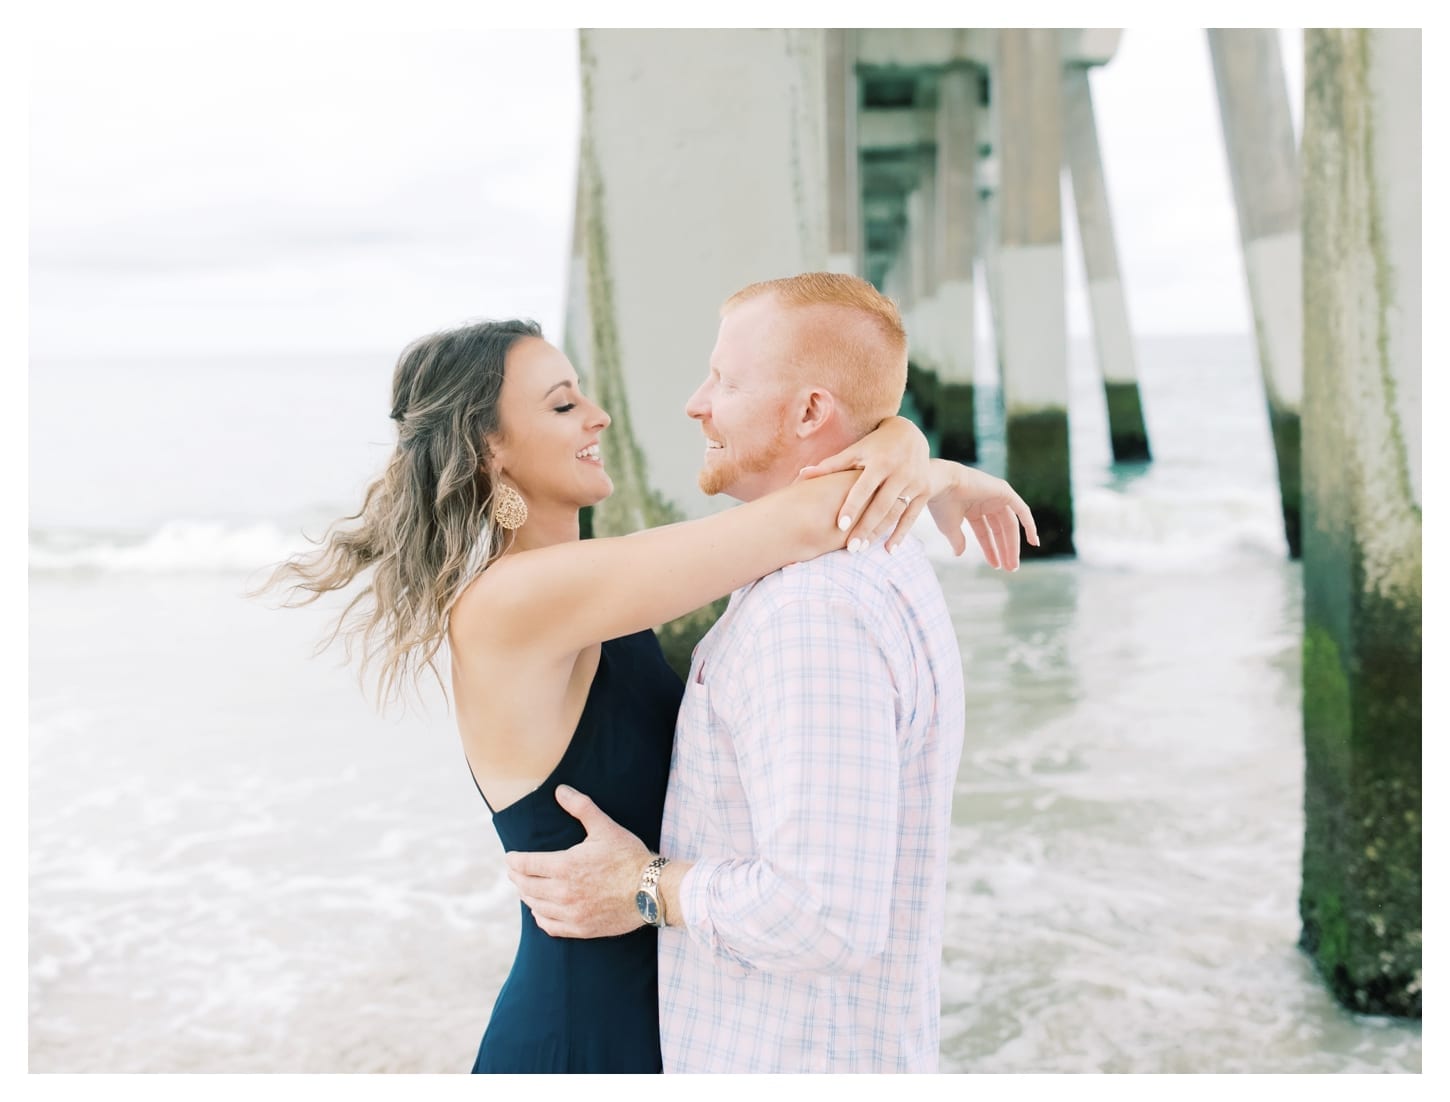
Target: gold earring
509, 508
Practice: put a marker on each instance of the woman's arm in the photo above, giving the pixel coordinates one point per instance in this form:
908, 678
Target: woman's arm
964, 495
895, 464
564, 597
958, 495
567, 596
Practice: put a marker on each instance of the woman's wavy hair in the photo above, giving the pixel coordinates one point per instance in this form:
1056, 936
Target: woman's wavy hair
424, 528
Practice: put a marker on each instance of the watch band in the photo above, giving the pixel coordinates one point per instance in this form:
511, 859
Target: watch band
649, 892
651, 875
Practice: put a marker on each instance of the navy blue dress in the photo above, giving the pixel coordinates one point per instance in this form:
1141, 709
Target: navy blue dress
573, 1005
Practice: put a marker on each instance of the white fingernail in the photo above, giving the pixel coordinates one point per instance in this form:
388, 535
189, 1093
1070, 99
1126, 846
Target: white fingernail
891, 548
855, 545
844, 524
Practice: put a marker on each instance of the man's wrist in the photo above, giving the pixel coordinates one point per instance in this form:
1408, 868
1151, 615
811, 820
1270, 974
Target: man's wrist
666, 890
647, 899
672, 878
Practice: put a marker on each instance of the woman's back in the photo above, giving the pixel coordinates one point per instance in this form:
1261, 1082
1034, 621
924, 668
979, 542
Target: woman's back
591, 1005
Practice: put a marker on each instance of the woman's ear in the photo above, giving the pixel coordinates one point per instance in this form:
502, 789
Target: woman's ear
490, 455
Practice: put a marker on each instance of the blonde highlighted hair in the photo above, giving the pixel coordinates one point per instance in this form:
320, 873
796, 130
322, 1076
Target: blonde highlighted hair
424, 530
850, 340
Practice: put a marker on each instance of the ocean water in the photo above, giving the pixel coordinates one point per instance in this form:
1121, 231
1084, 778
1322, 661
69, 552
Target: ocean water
236, 864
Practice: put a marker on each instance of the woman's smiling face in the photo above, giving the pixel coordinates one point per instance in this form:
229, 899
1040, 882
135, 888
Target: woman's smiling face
548, 440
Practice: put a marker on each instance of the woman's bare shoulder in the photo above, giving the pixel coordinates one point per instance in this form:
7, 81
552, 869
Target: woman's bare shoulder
494, 606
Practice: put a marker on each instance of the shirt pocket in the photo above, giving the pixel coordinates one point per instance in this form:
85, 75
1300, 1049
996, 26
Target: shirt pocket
692, 739
706, 809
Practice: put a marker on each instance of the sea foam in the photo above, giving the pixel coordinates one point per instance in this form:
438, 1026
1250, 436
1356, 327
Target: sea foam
178, 546
1191, 529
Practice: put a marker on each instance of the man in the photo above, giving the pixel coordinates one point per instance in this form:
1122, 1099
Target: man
802, 877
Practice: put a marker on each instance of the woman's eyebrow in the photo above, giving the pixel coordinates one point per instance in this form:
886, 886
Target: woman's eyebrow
556, 386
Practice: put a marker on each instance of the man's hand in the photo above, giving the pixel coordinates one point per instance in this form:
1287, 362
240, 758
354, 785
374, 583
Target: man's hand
993, 509
587, 890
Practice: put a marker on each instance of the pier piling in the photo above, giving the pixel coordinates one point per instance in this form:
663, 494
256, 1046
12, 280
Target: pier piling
958, 93
1108, 306
1361, 898
1034, 311
1258, 131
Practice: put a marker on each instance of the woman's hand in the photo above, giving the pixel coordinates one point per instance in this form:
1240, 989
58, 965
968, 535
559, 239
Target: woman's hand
993, 509
895, 465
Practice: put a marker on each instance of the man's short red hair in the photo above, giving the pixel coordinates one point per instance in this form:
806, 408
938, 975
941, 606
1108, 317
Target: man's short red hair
849, 340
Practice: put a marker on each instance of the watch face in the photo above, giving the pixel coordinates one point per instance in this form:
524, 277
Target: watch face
648, 908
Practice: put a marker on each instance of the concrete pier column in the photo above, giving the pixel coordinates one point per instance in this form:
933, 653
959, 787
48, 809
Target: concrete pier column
989, 251
958, 94
914, 252
906, 279
920, 330
844, 253
685, 206
907, 265
989, 222
1253, 100
928, 275
576, 338
1034, 310
1109, 308
893, 287
1363, 494
578, 330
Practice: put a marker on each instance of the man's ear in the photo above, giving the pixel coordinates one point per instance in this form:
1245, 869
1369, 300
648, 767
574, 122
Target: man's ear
817, 412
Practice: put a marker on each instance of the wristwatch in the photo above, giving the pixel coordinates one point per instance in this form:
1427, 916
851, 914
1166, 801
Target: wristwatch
651, 907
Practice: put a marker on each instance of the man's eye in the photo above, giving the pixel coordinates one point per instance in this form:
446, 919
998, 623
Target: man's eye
564, 408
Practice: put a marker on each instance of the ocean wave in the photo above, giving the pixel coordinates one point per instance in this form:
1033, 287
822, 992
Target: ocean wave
1194, 528
179, 546
1114, 529
1157, 532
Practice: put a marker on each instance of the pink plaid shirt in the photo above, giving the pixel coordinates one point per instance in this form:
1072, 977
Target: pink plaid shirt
815, 757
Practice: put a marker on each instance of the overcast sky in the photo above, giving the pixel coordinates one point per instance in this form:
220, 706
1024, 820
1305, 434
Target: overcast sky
350, 191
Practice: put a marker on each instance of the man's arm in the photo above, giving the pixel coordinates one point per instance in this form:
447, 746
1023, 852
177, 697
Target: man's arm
813, 715
588, 890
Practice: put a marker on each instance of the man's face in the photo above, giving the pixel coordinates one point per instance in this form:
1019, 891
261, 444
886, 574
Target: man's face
743, 404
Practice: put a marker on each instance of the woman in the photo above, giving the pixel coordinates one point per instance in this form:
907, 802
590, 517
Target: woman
472, 535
